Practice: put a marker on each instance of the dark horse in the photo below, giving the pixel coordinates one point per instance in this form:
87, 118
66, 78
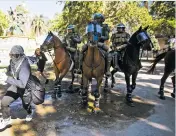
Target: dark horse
62, 61
169, 60
93, 67
131, 64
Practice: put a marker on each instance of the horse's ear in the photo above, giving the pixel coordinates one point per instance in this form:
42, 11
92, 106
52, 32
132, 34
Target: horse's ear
51, 33
146, 28
140, 28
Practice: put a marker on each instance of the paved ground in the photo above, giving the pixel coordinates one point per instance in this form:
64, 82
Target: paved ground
65, 117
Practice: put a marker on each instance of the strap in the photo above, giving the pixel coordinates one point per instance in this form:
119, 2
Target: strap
53, 60
95, 29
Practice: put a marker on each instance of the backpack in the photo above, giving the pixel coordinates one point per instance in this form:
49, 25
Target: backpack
36, 89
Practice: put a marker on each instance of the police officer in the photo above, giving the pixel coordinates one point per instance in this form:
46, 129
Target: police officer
118, 39
71, 40
99, 19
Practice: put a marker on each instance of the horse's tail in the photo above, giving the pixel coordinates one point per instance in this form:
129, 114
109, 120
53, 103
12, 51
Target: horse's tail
158, 58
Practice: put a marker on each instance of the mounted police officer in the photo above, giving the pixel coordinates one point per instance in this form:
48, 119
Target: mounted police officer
119, 41
71, 40
103, 36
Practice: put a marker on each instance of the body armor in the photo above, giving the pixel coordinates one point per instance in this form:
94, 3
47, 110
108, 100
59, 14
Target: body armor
119, 39
70, 41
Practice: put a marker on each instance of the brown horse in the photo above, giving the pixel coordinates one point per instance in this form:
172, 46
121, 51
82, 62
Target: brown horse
93, 67
62, 61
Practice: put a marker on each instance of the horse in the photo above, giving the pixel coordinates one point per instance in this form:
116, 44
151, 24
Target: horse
169, 61
62, 61
93, 67
130, 63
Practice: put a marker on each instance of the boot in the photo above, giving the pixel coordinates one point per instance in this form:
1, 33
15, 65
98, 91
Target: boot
116, 62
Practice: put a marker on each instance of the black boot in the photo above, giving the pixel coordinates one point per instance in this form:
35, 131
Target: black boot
116, 65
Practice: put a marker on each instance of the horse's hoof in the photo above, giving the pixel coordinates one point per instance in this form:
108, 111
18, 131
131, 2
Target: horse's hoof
162, 97
159, 92
130, 103
97, 110
59, 95
173, 95
112, 85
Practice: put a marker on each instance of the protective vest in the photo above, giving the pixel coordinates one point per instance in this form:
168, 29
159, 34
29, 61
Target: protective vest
94, 30
70, 42
105, 33
120, 38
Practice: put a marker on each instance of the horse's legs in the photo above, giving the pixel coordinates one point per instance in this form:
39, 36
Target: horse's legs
129, 90
163, 80
97, 93
73, 77
57, 73
106, 84
112, 77
134, 76
85, 91
173, 82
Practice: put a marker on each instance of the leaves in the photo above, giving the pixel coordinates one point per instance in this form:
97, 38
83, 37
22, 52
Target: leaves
4, 23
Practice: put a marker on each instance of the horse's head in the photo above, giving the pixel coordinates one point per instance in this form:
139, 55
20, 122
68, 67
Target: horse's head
141, 38
50, 42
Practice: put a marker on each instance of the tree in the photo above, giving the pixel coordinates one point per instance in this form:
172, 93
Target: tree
3, 23
164, 17
129, 13
19, 19
77, 13
163, 9
38, 25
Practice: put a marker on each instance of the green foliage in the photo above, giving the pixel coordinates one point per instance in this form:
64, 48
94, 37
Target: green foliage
164, 14
129, 13
78, 13
163, 9
164, 26
3, 23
